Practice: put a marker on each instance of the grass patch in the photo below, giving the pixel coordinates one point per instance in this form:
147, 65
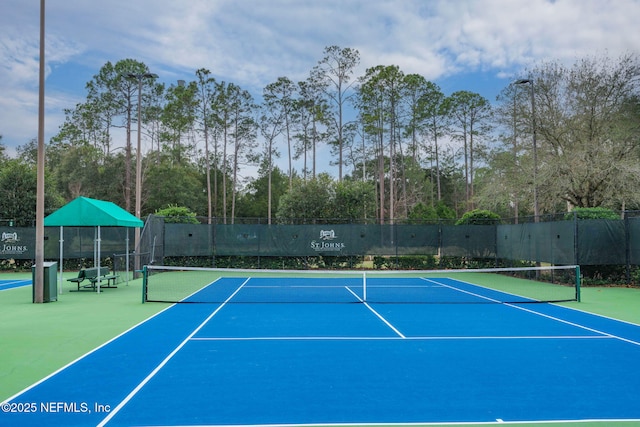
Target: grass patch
38, 339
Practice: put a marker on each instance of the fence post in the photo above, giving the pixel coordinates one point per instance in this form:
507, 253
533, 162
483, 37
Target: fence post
627, 246
576, 243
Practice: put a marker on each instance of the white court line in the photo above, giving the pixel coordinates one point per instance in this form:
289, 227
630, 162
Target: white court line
437, 424
37, 383
199, 290
5, 286
386, 322
557, 319
498, 421
576, 325
11, 282
401, 337
294, 286
166, 360
461, 290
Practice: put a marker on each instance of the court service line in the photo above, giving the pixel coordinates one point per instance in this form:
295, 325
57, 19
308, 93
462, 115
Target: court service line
166, 360
386, 322
416, 338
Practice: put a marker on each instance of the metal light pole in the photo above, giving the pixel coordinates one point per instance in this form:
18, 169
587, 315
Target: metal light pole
38, 284
515, 152
139, 78
536, 211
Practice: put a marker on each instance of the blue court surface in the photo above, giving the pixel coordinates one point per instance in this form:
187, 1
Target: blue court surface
347, 363
10, 284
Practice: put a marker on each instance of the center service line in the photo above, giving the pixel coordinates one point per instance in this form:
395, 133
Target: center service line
377, 314
385, 321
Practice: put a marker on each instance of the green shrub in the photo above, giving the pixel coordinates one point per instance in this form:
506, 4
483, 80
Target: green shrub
405, 262
479, 217
177, 214
591, 213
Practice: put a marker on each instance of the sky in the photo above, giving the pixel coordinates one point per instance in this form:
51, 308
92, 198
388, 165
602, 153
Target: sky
475, 45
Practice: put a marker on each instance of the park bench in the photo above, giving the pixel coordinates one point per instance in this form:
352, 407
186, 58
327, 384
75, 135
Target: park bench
95, 275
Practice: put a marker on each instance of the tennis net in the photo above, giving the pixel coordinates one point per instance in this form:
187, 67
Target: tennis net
496, 285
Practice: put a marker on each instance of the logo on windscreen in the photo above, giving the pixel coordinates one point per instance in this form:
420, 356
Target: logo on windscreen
325, 244
327, 234
10, 246
10, 237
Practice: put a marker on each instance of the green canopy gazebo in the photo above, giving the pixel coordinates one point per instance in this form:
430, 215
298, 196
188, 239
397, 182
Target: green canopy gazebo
86, 212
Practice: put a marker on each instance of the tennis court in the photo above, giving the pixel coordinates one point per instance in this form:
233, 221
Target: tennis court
331, 350
13, 283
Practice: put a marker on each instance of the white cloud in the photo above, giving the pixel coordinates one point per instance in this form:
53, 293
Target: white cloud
253, 42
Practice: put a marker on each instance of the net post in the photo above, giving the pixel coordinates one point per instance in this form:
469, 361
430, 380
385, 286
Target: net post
364, 286
144, 284
578, 283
